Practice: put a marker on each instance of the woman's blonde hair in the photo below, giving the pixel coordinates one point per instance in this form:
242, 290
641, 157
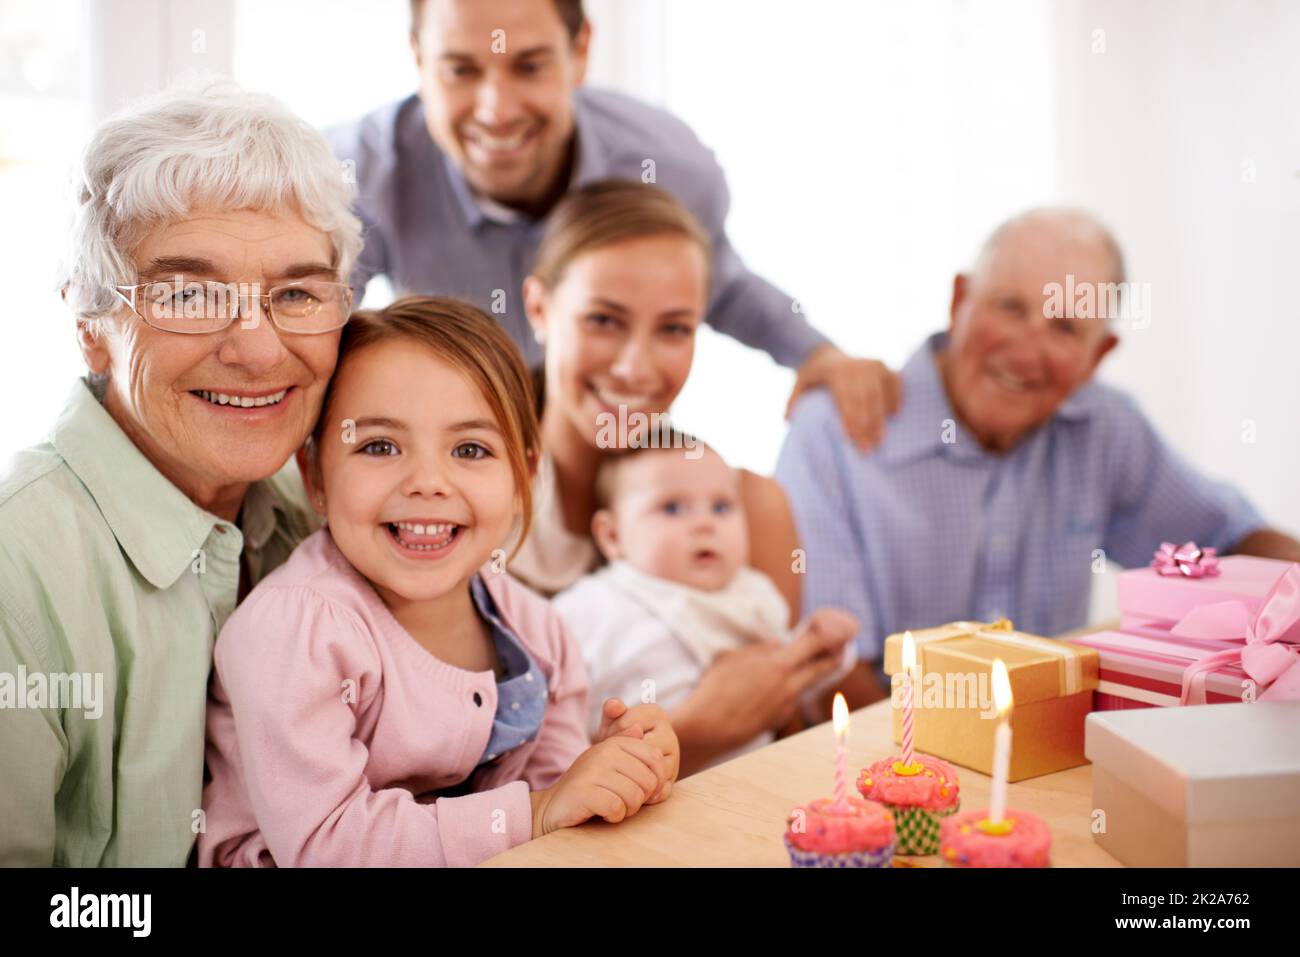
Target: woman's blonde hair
605, 212
470, 342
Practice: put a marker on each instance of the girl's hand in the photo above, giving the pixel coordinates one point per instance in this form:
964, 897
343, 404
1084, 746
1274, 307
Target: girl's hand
610, 780
648, 722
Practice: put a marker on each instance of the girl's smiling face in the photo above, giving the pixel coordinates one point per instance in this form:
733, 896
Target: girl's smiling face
413, 472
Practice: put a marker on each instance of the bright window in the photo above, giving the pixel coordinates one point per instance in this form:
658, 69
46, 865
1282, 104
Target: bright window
44, 127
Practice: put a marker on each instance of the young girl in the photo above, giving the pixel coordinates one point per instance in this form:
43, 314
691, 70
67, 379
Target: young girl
389, 696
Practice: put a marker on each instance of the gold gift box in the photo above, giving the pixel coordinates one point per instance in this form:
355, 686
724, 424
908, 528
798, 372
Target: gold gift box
954, 717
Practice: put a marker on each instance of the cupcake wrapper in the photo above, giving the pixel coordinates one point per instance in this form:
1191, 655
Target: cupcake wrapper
918, 829
882, 857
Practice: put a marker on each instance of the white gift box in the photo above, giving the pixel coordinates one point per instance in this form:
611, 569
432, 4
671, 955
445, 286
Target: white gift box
1202, 786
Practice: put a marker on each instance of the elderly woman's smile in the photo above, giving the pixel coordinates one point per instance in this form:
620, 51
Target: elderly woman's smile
210, 240
217, 410
244, 405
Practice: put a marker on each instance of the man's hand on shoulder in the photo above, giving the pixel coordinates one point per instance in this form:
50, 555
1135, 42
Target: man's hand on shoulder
866, 392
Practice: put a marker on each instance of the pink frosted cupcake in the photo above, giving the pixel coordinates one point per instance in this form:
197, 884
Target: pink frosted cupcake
1024, 841
859, 835
919, 801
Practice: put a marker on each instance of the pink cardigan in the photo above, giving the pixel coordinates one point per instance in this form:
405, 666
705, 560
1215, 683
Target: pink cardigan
329, 726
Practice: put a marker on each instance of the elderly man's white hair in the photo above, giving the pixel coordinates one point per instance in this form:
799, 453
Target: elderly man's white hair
208, 145
1076, 226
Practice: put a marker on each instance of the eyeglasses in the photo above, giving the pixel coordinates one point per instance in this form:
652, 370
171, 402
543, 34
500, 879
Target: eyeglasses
193, 307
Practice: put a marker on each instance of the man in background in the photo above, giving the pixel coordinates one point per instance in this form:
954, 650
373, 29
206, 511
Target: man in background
1008, 466
455, 184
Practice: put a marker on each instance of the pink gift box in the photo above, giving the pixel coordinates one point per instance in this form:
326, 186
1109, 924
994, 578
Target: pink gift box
1148, 600
1140, 671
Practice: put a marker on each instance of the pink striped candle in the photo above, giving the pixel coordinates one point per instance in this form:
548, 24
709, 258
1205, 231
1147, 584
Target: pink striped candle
840, 721
909, 667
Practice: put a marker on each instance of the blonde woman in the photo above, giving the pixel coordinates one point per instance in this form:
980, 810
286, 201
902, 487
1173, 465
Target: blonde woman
619, 287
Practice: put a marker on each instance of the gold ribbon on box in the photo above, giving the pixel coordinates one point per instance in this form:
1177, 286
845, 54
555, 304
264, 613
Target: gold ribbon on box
1069, 659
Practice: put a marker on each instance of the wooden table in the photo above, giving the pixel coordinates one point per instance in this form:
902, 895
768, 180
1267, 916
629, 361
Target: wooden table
733, 815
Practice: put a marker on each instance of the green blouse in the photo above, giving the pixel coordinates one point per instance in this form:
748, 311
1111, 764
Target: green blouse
113, 586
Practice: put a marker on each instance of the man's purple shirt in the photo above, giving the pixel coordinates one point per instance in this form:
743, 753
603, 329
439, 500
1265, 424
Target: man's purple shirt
427, 232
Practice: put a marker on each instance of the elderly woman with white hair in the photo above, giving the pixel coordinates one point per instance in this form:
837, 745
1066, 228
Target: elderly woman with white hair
212, 231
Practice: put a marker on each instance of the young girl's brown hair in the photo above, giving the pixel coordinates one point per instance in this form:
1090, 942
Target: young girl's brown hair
473, 344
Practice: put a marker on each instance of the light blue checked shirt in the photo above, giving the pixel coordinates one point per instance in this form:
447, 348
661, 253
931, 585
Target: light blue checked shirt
921, 531
521, 690
427, 232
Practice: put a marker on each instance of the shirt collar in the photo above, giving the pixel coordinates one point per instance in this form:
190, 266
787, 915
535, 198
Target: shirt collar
417, 143
922, 424
470, 209
514, 660
592, 161
156, 524
590, 164
261, 512
1082, 404
487, 608
919, 427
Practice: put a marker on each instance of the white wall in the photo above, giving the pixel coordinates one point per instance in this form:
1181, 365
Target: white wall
43, 122
1185, 135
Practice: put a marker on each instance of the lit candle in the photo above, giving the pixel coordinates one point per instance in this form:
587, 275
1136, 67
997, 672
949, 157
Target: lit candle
909, 670
1001, 741
840, 716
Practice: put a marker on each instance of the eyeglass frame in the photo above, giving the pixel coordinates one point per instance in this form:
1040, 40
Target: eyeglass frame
264, 303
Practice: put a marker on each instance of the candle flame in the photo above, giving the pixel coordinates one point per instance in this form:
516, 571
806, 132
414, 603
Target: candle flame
840, 716
909, 653
1001, 687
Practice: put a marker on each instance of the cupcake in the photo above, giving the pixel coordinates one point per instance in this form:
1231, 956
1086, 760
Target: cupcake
860, 834
919, 801
1024, 841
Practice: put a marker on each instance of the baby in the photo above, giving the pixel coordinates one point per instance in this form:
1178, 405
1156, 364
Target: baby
676, 592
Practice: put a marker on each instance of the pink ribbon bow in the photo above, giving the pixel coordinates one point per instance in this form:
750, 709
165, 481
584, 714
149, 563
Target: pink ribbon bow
1189, 560
1270, 652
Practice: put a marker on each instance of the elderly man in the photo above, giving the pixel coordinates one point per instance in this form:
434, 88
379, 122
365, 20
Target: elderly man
212, 231
1008, 467
455, 183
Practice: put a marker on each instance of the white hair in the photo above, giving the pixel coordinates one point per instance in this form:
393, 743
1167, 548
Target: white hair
191, 146
1076, 225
